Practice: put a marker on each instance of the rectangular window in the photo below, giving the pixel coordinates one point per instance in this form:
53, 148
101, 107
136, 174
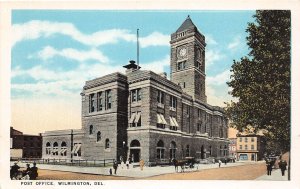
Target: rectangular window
252, 139
241, 147
199, 127
173, 103
108, 99
246, 139
136, 95
187, 111
241, 139
252, 147
181, 65
246, 147
91, 103
160, 97
99, 101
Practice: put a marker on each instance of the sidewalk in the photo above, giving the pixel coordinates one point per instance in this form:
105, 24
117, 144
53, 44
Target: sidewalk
276, 176
134, 172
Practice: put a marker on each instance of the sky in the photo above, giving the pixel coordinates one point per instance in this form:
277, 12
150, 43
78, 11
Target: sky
54, 52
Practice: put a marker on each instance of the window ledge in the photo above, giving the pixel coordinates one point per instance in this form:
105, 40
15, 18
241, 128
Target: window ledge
160, 105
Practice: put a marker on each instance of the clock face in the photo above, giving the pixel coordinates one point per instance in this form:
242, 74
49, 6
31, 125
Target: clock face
182, 52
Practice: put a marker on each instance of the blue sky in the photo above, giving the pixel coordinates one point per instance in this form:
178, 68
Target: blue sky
55, 52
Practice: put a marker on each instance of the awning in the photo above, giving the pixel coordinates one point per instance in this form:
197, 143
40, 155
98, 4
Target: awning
138, 117
163, 119
172, 122
159, 120
63, 151
175, 122
77, 149
132, 118
55, 150
74, 148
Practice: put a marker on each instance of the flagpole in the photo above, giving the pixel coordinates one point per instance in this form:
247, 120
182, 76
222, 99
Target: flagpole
138, 48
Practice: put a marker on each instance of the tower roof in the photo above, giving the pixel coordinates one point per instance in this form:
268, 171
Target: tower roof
188, 23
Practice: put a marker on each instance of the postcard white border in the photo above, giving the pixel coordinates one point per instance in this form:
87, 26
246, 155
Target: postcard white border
5, 60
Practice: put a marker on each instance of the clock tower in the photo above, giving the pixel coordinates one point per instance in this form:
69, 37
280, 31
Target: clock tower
188, 59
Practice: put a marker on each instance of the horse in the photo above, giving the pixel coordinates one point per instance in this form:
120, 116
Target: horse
180, 163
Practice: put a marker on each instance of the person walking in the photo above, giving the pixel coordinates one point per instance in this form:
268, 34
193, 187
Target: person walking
115, 166
220, 162
28, 169
127, 163
142, 163
33, 172
269, 167
282, 165
14, 170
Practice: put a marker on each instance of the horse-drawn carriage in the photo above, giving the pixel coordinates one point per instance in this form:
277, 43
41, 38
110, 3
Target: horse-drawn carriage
186, 163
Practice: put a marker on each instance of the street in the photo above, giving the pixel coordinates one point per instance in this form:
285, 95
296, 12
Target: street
231, 171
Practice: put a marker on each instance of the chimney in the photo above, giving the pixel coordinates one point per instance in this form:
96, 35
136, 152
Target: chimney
131, 67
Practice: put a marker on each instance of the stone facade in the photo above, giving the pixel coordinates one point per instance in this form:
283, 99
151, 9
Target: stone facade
143, 115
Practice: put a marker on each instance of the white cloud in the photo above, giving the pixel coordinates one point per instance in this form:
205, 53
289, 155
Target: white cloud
36, 29
64, 83
219, 79
157, 66
210, 40
212, 56
93, 54
155, 39
236, 42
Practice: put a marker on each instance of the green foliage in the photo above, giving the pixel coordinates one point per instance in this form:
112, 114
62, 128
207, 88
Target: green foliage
261, 80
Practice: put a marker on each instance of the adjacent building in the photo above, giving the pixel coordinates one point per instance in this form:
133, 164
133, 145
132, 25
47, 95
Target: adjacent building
24, 146
250, 147
144, 115
232, 148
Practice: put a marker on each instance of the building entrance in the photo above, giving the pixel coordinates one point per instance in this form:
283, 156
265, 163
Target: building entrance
135, 151
135, 154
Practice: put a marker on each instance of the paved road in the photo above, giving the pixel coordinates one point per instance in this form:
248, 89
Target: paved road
231, 171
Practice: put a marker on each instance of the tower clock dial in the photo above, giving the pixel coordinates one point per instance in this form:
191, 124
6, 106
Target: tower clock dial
182, 52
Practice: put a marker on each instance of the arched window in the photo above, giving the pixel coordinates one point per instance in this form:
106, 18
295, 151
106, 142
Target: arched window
55, 149
63, 150
91, 129
48, 148
160, 148
135, 143
187, 152
173, 150
98, 136
107, 145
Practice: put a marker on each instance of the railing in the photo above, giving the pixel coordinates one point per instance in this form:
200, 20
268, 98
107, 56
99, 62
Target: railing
69, 162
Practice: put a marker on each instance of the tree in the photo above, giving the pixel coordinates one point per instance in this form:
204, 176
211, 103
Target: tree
261, 80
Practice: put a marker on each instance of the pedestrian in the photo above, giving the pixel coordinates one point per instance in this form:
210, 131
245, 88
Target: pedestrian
33, 172
225, 161
110, 171
115, 166
28, 169
220, 162
14, 170
142, 163
269, 167
127, 163
282, 165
